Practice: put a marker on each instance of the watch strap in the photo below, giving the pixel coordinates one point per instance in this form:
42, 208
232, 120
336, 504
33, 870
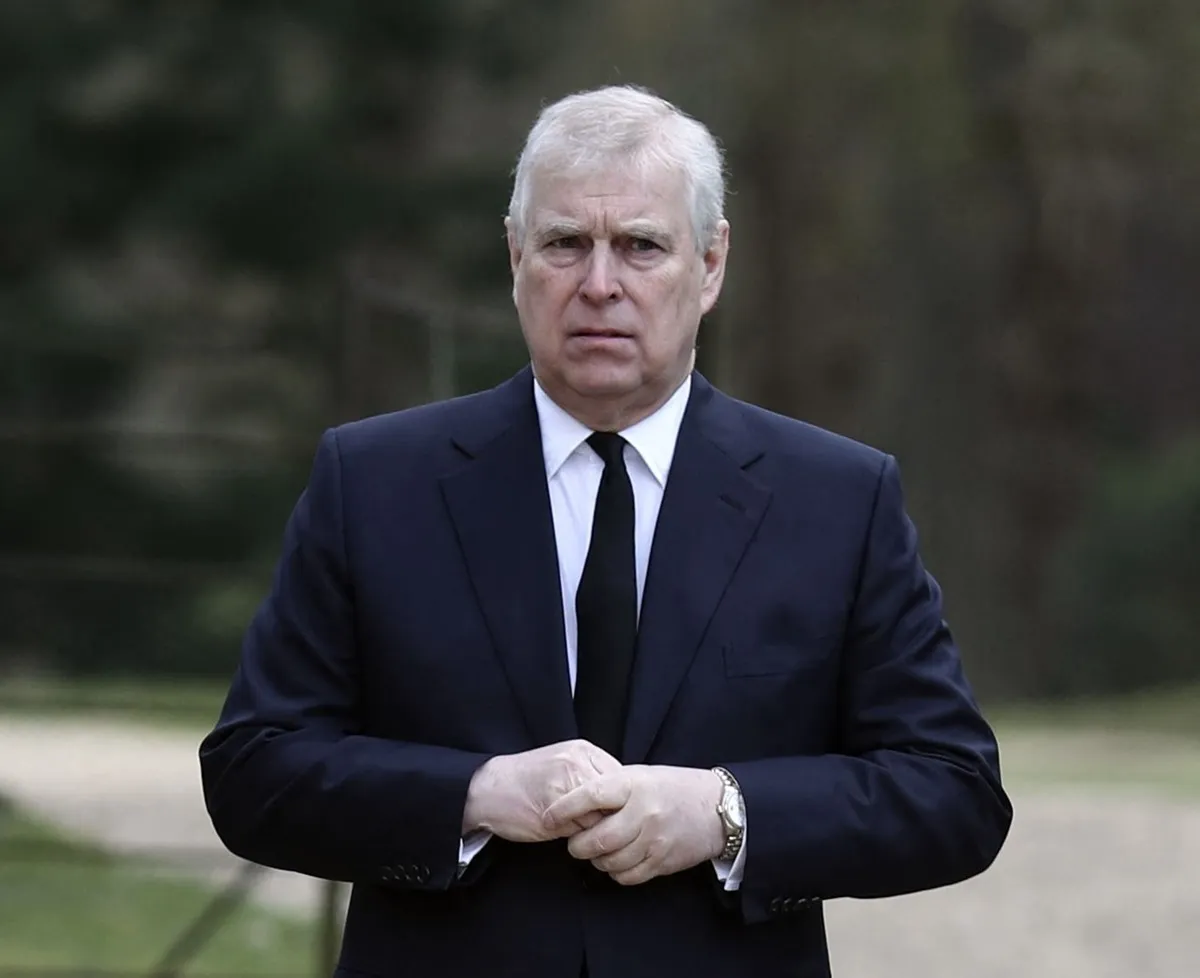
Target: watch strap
733, 832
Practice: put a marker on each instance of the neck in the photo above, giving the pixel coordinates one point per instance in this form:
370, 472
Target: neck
614, 417
610, 414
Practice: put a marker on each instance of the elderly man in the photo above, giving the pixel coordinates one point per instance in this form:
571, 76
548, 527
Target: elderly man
601, 671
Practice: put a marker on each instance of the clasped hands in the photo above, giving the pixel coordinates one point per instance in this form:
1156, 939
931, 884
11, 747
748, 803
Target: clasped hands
632, 822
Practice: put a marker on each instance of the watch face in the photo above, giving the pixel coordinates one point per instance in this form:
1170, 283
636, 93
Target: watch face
735, 807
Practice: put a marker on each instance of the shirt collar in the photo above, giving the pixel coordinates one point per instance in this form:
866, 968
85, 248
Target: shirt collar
653, 438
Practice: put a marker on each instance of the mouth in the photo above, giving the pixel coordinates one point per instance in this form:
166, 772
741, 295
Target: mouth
599, 334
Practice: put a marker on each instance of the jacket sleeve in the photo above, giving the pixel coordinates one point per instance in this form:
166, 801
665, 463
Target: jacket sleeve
913, 799
290, 781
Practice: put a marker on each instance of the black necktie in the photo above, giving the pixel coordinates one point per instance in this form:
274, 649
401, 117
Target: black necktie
606, 605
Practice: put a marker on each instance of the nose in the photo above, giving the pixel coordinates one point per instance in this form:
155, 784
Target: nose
601, 283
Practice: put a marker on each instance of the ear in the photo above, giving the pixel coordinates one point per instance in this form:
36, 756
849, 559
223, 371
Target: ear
714, 267
515, 246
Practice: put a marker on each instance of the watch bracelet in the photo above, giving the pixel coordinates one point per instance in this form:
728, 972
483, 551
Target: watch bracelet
733, 840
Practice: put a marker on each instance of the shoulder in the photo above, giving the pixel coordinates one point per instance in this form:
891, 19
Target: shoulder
412, 428
818, 476
800, 449
429, 431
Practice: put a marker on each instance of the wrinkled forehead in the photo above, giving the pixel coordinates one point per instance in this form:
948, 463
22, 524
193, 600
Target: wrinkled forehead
604, 198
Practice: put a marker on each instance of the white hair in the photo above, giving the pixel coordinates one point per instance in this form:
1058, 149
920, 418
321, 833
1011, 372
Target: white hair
623, 125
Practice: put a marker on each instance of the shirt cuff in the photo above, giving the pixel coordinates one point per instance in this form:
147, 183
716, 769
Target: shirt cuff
470, 846
730, 872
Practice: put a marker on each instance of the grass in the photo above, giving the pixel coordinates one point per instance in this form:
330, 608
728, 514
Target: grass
1122, 762
67, 906
1142, 742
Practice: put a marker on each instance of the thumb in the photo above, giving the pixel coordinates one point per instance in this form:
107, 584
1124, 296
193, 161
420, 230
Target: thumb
605, 793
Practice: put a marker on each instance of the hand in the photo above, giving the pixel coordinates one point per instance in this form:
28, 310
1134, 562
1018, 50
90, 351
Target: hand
663, 820
509, 794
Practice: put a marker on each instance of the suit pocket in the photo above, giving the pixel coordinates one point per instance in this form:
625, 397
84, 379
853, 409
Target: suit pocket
776, 659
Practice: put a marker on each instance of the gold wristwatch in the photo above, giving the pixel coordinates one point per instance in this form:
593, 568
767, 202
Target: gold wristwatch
732, 812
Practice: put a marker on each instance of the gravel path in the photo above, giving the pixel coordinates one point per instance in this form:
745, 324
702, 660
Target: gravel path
133, 789
1092, 884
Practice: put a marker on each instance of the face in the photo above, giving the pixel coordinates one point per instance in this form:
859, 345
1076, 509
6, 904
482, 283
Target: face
610, 288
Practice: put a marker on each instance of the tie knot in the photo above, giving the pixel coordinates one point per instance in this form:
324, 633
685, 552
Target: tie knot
609, 446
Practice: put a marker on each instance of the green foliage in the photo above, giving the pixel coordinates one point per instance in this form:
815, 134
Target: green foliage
158, 702
68, 906
156, 162
1127, 584
963, 232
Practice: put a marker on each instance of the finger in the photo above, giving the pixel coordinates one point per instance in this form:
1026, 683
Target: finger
587, 848
601, 761
642, 872
588, 755
601, 764
622, 860
605, 793
608, 836
588, 820
574, 827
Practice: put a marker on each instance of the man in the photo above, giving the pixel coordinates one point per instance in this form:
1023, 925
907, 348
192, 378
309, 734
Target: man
601, 671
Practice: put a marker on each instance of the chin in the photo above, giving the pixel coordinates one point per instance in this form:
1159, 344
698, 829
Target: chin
604, 380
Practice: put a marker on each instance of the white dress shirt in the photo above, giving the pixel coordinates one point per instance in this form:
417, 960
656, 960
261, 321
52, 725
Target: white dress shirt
573, 472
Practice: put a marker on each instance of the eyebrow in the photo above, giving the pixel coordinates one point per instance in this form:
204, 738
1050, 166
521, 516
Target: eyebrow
558, 229
647, 229
638, 228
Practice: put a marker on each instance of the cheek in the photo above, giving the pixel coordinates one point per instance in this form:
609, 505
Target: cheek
677, 310
547, 293
534, 298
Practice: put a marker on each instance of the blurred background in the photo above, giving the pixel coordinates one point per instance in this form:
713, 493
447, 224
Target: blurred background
964, 231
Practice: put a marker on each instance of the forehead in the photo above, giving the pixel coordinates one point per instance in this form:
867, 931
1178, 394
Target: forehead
600, 198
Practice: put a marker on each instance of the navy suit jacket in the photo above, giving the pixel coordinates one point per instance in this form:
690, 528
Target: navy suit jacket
789, 632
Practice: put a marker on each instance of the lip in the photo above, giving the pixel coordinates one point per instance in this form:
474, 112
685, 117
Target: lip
599, 334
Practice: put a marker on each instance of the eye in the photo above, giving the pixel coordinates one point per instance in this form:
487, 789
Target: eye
643, 245
565, 243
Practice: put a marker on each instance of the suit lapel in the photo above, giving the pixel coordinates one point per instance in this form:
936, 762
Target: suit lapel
710, 511
500, 507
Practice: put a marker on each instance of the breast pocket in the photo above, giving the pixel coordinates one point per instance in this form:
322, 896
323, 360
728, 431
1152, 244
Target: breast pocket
778, 659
